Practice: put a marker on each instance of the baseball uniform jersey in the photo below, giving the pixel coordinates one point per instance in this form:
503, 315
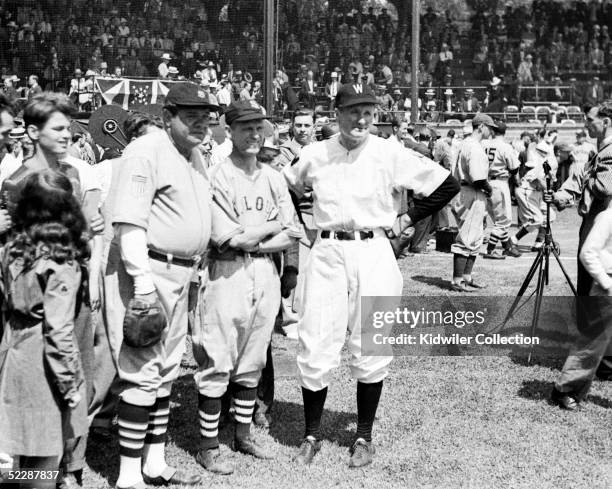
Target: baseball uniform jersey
353, 190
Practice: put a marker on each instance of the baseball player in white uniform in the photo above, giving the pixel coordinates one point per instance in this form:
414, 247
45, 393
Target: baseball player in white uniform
163, 218
470, 209
355, 179
242, 295
503, 163
529, 195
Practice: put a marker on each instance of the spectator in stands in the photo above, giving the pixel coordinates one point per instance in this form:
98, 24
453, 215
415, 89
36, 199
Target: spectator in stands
224, 95
470, 103
162, 68
524, 74
331, 89
35, 88
594, 92
9, 87
596, 56
308, 89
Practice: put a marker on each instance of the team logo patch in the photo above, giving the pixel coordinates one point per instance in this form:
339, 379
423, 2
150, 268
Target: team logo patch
139, 184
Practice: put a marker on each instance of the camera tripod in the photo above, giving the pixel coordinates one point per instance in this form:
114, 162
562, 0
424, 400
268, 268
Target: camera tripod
541, 266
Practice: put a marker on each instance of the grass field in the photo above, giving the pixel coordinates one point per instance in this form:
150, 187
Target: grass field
443, 422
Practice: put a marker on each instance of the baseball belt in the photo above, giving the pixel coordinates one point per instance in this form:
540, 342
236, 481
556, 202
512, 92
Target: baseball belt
347, 235
170, 259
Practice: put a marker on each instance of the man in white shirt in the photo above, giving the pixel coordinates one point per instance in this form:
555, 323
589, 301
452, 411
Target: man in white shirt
162, 68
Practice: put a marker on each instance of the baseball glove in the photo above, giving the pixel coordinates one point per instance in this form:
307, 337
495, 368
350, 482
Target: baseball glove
144, 323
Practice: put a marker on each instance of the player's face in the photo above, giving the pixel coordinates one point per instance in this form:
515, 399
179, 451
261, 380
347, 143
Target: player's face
303, 128
188, 128
594, 125
6, 124
54, 137
248, 137
354, 122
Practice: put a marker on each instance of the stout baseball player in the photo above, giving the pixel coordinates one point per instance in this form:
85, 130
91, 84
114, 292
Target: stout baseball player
242, 295
471, 170
163, 217
355, 178
503, 163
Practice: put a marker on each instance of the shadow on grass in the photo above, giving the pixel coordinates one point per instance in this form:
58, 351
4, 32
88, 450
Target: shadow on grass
287, 426
554, 358
535, 390
434, 281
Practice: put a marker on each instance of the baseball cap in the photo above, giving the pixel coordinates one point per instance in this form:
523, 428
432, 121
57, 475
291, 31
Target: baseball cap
244, 111
187, 94
501, 126
581, 134
347, 97
483, 119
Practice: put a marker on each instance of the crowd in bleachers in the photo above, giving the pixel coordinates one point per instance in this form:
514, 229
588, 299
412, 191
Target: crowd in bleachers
62, 42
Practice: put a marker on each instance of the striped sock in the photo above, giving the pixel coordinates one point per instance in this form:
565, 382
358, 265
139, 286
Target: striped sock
155, 442
313, 411
209, 411
133, 422
493, 240
244, 404
158, 421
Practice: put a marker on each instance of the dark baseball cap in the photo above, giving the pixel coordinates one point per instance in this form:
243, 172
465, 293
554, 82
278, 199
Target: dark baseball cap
483, 119
244, 111
188, 94
347, 96
501, 127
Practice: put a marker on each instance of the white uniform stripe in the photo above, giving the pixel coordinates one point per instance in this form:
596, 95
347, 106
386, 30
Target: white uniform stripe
243, 403
157, 431
209, 434
209, 426
244, 411
163, 412
132, 435
134, 445
243, 419
133, 426
208, 417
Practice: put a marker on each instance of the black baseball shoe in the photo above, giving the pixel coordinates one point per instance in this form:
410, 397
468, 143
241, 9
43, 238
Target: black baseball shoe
249, 446
564, 400
459, 287
362, 453
308, 449
512, 251
210, 459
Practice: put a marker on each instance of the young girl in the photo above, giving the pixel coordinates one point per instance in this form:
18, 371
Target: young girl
42, 391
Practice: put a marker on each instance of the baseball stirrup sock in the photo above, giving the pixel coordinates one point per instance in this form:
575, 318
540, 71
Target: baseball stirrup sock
541, 234
521, 233
158, 421
133, 423
368, 396
469, 266
209, 411
459, 262
244, 404
313, 410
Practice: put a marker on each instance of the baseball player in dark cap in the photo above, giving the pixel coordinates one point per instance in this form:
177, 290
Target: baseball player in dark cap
243, 290
471, 170
355, 179
503, 164
163, 221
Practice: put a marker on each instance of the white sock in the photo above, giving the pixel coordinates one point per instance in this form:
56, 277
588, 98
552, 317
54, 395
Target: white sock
154, 459
129, 471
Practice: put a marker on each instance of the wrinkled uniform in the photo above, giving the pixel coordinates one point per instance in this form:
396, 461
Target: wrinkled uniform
168, 196
242, 295
470, 207
502, 160
355, 190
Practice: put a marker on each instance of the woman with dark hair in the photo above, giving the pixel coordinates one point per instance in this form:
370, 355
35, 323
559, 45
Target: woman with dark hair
42, 388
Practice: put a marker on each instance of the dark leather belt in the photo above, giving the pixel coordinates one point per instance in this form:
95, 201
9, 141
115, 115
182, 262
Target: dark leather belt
174, 260
232, 254
346, 235
493, 177
465, 184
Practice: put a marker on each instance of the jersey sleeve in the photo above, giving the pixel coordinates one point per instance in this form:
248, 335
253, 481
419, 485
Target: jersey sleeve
225, 221
136, 187
512, 159
287, 216
413, 171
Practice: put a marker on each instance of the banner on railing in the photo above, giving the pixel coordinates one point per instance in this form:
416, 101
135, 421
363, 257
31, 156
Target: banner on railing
127, 92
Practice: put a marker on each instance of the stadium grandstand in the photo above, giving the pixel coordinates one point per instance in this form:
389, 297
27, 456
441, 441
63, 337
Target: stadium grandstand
537, 60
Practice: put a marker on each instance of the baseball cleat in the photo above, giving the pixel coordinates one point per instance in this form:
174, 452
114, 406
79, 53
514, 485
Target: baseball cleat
249, 446
362, 453
494, 255
564, 400
209, 458
475, 285
513, 252
460, 287
308, 449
